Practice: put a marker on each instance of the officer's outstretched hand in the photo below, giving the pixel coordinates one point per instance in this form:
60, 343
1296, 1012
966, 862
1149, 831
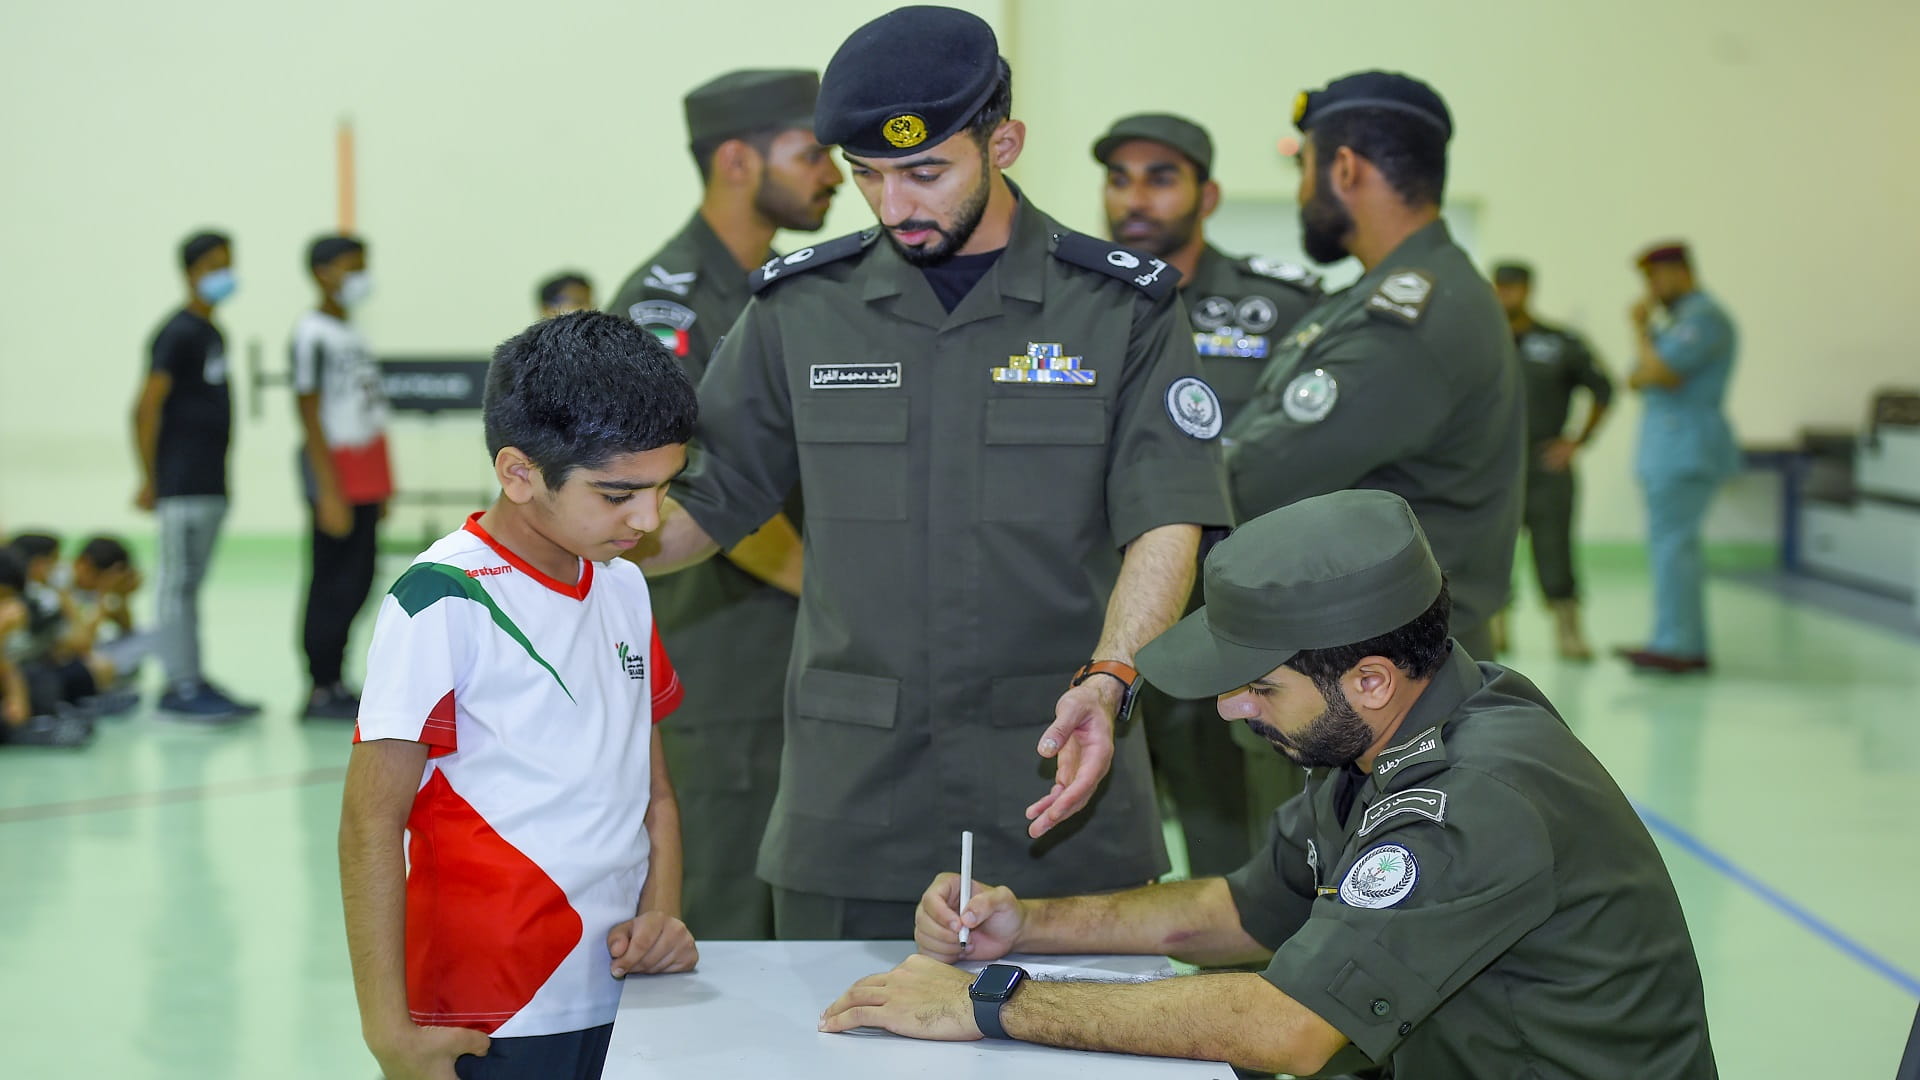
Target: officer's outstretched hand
1081, 737
994, 916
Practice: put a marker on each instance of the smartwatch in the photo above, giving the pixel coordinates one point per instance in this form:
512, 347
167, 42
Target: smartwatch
1113, 669
991, 990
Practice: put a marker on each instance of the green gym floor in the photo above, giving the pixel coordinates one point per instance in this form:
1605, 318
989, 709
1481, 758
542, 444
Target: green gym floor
169, 906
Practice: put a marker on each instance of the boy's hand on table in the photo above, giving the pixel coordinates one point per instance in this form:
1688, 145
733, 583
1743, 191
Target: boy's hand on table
652, 943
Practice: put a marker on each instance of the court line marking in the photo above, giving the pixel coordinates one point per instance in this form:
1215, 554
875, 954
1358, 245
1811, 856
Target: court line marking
142, 799
1821, 928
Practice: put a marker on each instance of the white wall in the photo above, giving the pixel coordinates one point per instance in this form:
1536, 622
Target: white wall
500, 141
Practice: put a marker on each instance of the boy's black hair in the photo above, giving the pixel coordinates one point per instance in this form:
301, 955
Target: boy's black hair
29, 546
550, 288
106, 553
325, 249
199, 245
13, 572
574, 391
1417, 648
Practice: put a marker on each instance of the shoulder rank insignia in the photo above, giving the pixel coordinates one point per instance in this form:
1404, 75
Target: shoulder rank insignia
1144, 272
1281, 270
808, 258
1429, 803
1402, 296
661, 279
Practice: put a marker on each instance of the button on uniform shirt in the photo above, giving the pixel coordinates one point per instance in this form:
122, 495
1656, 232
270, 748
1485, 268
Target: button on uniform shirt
331, 358
1484, 903
196, 420
1241, 310
971, 478
1684, 430
1554, 361
1404, 381
527, 841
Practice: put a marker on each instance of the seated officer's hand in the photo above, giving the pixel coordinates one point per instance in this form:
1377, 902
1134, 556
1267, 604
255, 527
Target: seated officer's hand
653, 943
921, 999
994, 915
425, 1053
1081, 736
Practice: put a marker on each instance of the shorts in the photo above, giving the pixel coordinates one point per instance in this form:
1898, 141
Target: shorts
571, 1055
50, 684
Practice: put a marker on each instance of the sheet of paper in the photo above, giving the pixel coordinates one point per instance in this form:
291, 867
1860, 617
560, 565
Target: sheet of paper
1069, 973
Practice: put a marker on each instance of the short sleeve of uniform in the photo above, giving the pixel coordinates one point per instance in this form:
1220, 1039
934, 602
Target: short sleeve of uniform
1694, 340
668, 691
1157, 472
1389, 402
172, 352
1273, 892
1586, 371
1478, 883
744, 461
416, 667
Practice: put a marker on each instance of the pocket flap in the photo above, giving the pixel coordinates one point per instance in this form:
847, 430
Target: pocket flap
840, 696
1046, 422
851, 419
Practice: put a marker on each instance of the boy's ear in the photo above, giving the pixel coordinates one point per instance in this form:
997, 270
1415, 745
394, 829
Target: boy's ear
519, 477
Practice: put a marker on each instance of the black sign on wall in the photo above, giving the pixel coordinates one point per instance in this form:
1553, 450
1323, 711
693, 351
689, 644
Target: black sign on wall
430, 384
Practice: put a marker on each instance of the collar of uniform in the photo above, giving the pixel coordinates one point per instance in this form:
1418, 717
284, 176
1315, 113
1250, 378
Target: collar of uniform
1419, 744
1420, 243
1019, 273
713, 261
1210, 258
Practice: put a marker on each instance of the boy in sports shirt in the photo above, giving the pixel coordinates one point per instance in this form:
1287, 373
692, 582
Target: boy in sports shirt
506, 731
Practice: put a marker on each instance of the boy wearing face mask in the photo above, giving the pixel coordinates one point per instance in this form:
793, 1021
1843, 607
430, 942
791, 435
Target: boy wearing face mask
182, 426
344, 465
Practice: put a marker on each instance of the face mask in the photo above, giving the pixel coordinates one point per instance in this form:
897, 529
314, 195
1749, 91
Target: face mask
216, 285
354, 289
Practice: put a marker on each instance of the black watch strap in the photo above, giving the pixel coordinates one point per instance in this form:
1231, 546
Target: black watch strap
986, 1017
990, 992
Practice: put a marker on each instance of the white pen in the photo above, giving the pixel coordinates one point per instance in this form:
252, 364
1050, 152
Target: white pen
966, 881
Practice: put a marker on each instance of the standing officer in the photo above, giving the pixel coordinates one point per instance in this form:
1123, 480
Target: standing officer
728, 624
1008, 459
1462, 891
1554, 361
1160, 191
1405, 381
1687, 449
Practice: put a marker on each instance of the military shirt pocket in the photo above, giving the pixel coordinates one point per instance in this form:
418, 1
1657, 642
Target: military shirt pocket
839, 760
853, 457
1044, 459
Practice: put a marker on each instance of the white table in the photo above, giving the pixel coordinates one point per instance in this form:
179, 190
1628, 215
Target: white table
751, 1011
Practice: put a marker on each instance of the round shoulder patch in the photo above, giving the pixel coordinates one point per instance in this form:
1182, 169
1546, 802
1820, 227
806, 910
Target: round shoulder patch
1194, 407
1310, 396
1382, 877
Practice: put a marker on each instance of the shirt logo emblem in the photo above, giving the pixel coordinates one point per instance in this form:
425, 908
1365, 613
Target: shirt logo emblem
1045, 363
1310, 396
632, 662
489, 571
1256, 314
904, 130
1194, 408
1381, 878
1212, 313
853, 376
1125, 260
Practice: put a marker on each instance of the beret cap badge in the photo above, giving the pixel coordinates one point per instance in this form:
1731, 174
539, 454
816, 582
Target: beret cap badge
904, 131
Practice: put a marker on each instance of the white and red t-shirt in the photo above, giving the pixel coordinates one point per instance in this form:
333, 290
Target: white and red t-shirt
527, 841
331, 358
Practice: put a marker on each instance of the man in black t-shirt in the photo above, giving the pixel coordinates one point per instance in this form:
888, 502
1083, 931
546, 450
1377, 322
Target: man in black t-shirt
181, 428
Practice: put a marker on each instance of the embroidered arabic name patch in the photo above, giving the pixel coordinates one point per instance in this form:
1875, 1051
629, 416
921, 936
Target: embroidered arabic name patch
1428, 803
853, 376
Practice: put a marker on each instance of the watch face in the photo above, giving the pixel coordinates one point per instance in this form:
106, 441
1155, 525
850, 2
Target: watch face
996, 981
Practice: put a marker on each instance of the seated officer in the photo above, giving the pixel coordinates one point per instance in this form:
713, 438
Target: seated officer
1461, 891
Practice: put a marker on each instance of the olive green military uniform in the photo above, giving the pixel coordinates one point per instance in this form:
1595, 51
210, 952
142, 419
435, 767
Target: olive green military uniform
971, 479
1484, 902
729, 633
1240, 309
1553, 363
1406, 381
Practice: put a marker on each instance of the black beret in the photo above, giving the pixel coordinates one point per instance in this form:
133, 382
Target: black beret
1670, 251
1373, 90
1512, 273
907, 81
743, 102
1181, 134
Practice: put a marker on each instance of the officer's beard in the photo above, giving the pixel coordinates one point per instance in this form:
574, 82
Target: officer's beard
1324, 224
1336, 737
785, 208
1166, 239
951, 240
